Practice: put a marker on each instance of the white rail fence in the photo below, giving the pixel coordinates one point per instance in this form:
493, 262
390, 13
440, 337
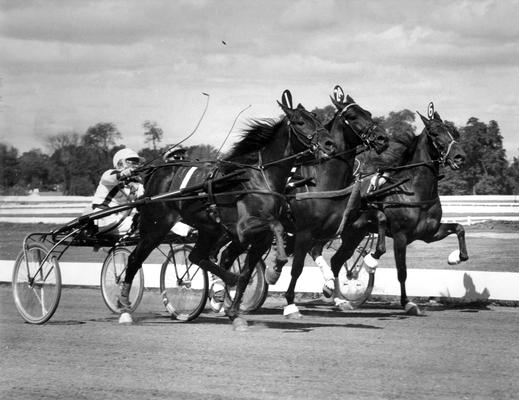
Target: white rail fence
61, 209
465, 285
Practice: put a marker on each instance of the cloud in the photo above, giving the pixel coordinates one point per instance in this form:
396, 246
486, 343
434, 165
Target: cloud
71, 63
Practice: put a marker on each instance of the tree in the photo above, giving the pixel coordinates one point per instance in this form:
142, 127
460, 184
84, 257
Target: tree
486, 164
35, 169
9, 167
102, 135
324, 115
63, 139
513, 174
202, 152
399, 121
153, 133
150, 154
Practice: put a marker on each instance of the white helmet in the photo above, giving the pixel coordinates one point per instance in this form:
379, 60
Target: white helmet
122, 155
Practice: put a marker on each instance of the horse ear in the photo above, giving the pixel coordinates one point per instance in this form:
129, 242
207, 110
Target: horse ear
349, 99
338, 94
286, 99
437, 116
339, 106
425, 121
286, 110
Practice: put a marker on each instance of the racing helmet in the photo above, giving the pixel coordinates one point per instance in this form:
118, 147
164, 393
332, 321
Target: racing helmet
175, 153
122, 157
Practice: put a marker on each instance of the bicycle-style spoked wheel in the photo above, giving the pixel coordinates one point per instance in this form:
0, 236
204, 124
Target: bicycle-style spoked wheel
256, 291
183, 285
36, 284
355, 282
112, 278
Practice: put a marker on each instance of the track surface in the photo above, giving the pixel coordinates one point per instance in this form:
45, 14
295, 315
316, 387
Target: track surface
373, 353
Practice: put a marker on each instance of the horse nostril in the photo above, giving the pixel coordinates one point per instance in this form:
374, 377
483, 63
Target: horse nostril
459, 159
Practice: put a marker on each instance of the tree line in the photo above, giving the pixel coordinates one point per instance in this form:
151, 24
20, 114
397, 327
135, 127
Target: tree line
74, 162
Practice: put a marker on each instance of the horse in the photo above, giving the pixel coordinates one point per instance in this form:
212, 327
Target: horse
411, 211
244, 208
321, 211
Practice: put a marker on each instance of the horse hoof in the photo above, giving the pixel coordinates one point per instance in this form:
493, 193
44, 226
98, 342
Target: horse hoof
125, 319
344, 306
296, 315
271, 275
328, 289
412, 309
454, 258
292, 312
240, 325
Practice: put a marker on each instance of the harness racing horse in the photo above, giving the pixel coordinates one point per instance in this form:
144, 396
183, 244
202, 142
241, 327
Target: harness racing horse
412, 211
321, 211
244, 208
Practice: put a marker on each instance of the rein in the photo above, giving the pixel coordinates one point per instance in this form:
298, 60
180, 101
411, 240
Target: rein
429, 164
395, 204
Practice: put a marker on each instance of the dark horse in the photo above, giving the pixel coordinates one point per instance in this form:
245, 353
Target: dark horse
322, 211
412, 211
245, 208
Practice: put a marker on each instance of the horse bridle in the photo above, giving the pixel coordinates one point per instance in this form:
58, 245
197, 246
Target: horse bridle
309, 141
443, 154
366, 134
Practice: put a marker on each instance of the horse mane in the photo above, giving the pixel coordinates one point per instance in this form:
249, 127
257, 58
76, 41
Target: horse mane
328, 126
259, 133
396, 154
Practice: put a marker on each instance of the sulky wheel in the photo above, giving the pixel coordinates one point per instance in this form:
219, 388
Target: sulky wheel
183, 285
355, 281
112, 278
36, 284
256, 291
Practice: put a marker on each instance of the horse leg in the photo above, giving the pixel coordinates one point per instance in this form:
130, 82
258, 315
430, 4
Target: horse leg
227, 258
351, 237
379, 219
151, 237
400, 250
444, 230
272, 274
316, 252
349, 243
302, 243
256, 251
380, 247
201, 253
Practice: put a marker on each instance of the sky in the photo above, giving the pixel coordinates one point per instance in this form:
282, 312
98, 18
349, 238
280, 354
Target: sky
68, 65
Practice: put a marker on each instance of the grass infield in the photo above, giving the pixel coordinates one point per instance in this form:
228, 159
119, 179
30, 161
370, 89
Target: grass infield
492, 246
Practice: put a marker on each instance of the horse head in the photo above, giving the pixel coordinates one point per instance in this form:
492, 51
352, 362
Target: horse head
360, 121
306, 131
444, 139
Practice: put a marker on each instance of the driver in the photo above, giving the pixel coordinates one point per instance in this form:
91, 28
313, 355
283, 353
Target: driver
118, 186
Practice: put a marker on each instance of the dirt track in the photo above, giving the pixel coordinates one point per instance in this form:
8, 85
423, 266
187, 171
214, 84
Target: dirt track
373, 353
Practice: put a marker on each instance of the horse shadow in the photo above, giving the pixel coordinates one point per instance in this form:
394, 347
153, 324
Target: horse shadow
278, 321
471, 301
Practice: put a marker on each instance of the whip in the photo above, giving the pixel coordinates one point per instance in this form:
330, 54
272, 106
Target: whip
230, 130
183, 140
